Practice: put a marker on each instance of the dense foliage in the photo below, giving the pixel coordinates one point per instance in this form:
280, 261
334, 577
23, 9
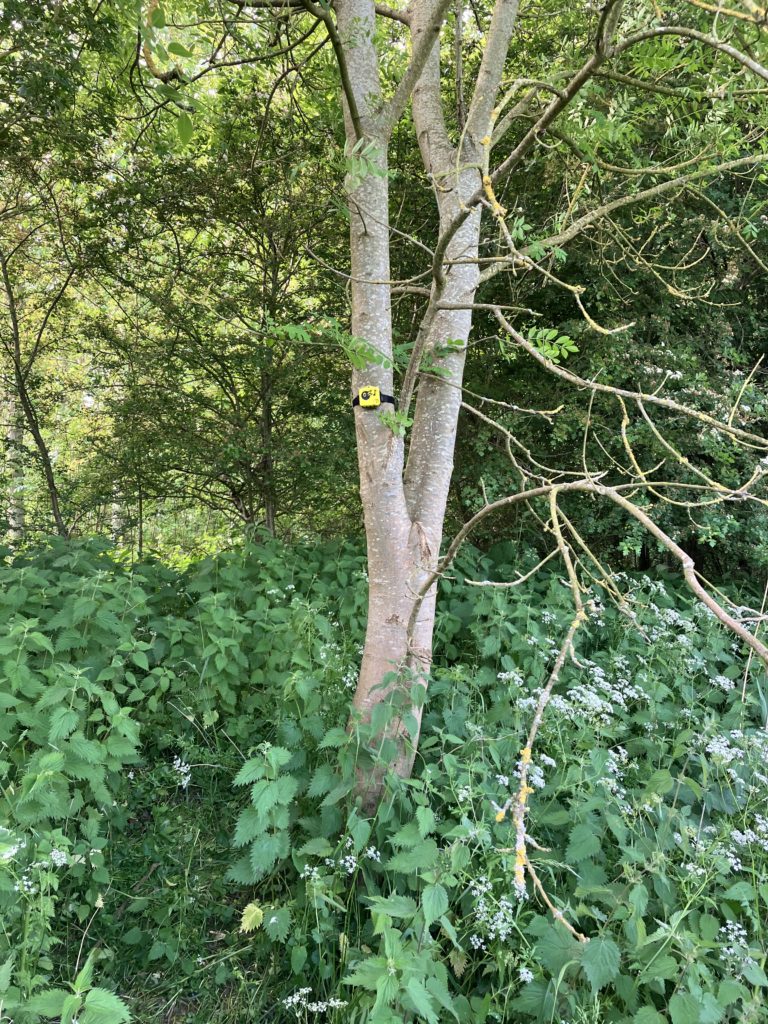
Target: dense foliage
178, 824
193, 824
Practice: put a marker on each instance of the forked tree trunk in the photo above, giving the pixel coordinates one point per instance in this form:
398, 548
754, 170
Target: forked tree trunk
404, 506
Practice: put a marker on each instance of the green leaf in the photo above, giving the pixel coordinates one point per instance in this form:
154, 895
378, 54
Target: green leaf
335, 737
264, 796
277, 757
582, 844
184, 127
5, 974
286, 787
252, 918
84, 977
367, 973
394, 905
103, 1007
426, 821
71, 1005
741, 891
266, 850
323, 780
49, 1003
755, 975
421, 1000
648, 1015
600, 960
556, 948
277, 924
252, 770
250, 825
179, 50
298, 959
317, 847
416, 859
63, 722
661, 782
439, 990
139, 658
337, 793
434, 903
684, 1008
638, 898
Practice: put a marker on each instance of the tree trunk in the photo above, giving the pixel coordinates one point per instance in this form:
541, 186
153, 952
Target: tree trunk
14, 435
404, 507
267, 461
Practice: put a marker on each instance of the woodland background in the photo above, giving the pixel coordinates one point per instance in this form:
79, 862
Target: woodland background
183, 569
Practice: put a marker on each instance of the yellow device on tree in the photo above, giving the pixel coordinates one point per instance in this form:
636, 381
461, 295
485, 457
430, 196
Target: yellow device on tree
370, 397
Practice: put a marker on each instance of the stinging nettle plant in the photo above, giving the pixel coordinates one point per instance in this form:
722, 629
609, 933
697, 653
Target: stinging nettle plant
478, 119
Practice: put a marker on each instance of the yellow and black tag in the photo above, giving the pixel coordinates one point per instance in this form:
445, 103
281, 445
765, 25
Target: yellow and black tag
370, 397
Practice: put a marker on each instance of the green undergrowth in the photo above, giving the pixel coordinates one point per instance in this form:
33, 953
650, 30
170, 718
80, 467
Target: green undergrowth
181, 842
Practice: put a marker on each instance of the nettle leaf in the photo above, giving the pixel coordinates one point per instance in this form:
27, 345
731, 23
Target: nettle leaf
600, 960
367, 973
323, 780
438, 988
250, 824
71, 1005
755, 975
434, 903
426, 820
264, 796
241, 871
252, 918
277, 757
103, 1007
648, 1015
684, 1008
394, 905
556, 948
49, 1003
416, 859
317, 847
5, 974
267, 850
422, 1000
336, 737
661, 782
286, 788
64, 721
277, 924
252, 770
582, 844
408, 835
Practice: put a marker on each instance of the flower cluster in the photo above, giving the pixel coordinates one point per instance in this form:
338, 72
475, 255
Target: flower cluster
756, 836
735, 955
300, 1000
26, 885
183, 770
724, 683
11, 843
495, 918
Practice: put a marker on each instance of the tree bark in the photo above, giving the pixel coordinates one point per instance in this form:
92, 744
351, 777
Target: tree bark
14, 435
404, 507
